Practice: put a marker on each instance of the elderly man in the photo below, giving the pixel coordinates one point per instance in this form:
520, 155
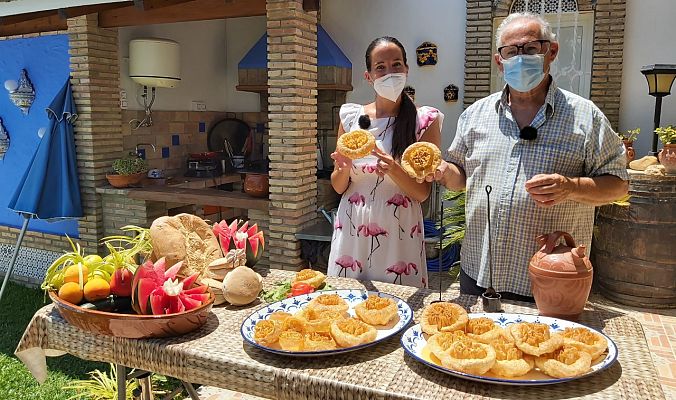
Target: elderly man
549, 155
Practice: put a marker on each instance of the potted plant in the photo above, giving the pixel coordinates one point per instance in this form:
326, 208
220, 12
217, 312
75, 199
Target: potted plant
667, 155
127, 171
628, 138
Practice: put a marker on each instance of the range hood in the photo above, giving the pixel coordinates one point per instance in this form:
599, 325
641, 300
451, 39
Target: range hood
334, 69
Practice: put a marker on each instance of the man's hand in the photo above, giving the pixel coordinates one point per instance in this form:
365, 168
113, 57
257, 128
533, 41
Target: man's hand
438, 174
341, 162
550, 190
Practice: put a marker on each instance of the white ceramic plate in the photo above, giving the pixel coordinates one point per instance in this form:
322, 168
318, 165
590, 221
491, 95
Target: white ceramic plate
414, 342
352, 297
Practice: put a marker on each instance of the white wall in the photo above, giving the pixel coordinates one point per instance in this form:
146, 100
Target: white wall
210, 51
439, 21
241, 34
649, 39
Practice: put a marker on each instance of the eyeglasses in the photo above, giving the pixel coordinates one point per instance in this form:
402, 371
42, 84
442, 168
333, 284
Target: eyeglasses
530, 48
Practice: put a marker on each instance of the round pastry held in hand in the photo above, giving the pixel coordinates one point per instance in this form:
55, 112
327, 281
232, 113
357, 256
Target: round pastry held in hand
356, 144
421, 159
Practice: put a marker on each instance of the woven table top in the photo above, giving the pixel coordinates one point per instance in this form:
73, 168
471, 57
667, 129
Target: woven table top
216, 355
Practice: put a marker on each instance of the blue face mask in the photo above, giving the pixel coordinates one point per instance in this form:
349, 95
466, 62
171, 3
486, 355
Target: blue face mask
524, 72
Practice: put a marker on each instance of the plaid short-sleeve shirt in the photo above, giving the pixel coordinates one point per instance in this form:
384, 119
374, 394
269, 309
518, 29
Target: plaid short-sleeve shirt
574, 139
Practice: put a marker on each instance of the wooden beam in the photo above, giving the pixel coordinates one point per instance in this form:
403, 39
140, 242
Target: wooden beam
50, 20
311, 5
195, 10
48, 23
152, 4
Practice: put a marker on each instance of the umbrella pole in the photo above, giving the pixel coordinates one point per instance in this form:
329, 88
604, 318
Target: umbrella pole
26, 218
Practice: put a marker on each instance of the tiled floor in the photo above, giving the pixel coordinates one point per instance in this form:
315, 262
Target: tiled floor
659, 327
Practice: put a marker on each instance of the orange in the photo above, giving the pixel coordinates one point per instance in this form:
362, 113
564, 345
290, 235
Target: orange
96, 289
72, 274
70, 292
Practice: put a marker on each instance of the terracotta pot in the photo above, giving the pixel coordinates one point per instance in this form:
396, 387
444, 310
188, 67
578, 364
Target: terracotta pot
629, 147
256, 185
667, 157
123, 181
561, 276
131, 325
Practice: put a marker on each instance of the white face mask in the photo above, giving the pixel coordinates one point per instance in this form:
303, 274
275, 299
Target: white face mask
390, 86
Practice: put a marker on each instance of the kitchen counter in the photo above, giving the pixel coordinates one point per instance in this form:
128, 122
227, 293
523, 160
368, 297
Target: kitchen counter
180, 182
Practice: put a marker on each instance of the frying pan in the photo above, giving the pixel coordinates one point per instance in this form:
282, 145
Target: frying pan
234, 130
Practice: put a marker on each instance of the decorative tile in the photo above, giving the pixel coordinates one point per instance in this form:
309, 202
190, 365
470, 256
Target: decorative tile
31, 263
175, 140
165, 152
202, 127
260, 127
142, 153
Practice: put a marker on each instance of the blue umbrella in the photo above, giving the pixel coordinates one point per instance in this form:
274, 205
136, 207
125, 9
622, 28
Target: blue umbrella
50, 189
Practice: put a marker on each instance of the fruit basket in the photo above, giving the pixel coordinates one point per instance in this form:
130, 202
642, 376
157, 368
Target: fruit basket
133, 326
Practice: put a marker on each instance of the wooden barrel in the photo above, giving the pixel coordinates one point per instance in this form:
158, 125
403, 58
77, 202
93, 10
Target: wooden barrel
634, 247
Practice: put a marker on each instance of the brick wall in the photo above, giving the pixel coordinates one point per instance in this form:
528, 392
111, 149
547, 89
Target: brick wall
292, 115
119, 210
606, 59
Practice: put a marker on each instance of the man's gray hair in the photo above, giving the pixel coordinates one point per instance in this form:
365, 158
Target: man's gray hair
545, 29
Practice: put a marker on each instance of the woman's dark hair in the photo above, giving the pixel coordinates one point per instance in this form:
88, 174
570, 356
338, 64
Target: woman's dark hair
404, 126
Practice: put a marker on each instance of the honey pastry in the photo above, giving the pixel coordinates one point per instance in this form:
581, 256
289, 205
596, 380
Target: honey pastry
356, 144
421, 159
462, 353
534, 338
585, 340
510, 362
566, 362
328, 302
266, 332
483, 330
310, 276
318, 341
351, 332
292, 341
319, 321
443, 317
376, 310
279, 316
295, 324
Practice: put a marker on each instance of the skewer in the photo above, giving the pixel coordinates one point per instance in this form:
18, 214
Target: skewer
490, 298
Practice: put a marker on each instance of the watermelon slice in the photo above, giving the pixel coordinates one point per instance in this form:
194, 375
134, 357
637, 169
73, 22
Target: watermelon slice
158, 291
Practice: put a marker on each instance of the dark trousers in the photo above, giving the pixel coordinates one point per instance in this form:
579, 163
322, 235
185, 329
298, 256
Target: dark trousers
469, 286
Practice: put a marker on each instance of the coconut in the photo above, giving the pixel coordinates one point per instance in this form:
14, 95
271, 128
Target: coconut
241, 286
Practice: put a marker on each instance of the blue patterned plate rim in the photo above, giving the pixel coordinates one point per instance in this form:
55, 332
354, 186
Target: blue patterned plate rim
502, 318
404, 310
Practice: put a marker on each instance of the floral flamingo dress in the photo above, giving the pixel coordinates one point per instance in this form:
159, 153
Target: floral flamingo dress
378, 230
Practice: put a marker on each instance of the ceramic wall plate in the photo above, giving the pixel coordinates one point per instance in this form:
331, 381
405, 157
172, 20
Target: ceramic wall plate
352, 297
414, 342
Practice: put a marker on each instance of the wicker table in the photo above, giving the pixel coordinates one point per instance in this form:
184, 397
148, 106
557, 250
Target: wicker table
216, 355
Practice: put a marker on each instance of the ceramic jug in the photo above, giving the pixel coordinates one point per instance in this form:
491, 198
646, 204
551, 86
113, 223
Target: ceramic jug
561, 276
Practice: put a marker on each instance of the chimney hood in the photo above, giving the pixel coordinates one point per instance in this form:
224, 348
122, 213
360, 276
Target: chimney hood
334, 69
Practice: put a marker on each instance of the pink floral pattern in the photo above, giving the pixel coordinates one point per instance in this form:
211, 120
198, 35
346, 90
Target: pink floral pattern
374, 208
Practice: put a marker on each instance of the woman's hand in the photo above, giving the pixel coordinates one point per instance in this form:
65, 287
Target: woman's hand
385, 162
341, 162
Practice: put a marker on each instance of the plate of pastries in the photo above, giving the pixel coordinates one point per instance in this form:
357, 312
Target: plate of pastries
508, 349
326, 322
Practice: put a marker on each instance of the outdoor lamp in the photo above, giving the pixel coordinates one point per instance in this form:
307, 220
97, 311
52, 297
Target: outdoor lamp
660, 78
21, 93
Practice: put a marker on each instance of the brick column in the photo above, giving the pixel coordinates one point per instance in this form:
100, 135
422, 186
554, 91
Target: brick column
95, 81
607, 61
292, 115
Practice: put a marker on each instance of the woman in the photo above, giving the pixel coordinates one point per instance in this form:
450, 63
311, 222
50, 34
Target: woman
378, 231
